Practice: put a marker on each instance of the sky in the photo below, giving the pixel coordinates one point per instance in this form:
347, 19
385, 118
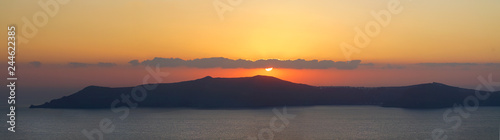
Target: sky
91, 42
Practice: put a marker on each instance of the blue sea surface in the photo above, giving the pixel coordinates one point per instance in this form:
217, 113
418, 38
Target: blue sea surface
319, 122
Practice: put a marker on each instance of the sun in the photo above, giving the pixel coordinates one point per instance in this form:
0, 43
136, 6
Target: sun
269, 69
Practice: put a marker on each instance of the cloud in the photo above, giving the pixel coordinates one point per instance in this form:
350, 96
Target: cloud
389, 66
493, 64
447, 64
462, 66
134, 62
221, 62
367, 64
36, 63
77, 64
82, 65
104, 64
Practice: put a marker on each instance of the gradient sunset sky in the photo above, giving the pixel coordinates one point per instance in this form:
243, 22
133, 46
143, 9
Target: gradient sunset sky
448, 41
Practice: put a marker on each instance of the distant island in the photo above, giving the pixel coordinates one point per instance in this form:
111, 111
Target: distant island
266, 91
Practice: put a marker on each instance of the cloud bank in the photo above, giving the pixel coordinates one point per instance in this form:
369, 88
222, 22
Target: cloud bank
36, 63
221, 62
82, 65
389, 66
448, 64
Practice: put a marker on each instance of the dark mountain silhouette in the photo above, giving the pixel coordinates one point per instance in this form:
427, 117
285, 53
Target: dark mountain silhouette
266, 91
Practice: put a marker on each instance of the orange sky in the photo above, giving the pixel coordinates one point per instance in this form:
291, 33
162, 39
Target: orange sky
122, 30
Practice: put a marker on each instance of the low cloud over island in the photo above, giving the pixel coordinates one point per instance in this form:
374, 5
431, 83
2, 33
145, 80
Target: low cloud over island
221, 62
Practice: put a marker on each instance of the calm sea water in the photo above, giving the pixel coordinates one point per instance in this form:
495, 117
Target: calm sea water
322, 122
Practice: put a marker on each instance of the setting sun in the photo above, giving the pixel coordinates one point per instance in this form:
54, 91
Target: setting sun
269, 69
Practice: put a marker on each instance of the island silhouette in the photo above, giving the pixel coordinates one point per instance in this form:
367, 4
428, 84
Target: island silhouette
266, 91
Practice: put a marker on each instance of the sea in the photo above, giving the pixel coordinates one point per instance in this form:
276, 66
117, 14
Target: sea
277, 123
